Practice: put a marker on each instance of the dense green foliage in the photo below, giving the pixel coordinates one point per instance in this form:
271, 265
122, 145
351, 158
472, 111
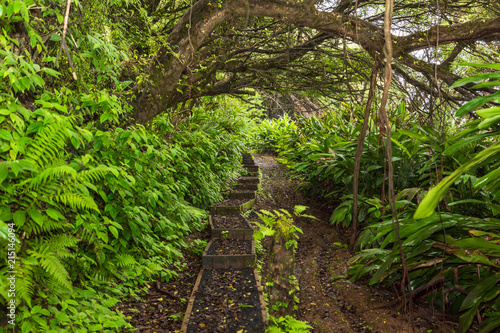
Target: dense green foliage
101, 202
456, 248
287, 324
98, 208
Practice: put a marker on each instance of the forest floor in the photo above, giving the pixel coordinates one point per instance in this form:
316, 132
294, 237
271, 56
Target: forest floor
329, 305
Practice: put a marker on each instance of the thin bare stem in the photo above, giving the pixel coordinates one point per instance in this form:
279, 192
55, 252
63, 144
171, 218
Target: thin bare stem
386, 126
359, 152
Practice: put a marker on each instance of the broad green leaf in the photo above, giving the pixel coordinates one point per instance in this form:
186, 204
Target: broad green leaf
430, 201
490, 324
463, 142
493, 176
488, 113
479, 244
401, 146
479, 292
475, 78
414, 135
4, 171
468, 201
55, 37
19, 218
10, 10
138, 166
466, 319
60, 18
50, 71
489, 122
470, 64
486, 84
36, 216
114, 231
5, 214
17, 6
316, 157
5, 135
53, 213
475, 103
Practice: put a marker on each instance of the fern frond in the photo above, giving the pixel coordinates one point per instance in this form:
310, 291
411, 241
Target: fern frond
47, 226
53, 266
153, 268
76, 200
60, 242
102, 274
124, 259
94, 175
25, 285
49, 175
49, 143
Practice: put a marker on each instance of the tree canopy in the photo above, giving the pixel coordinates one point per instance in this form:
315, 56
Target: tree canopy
326, 48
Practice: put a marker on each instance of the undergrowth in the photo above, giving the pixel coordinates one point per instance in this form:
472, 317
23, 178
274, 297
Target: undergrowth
92, 208
453, 252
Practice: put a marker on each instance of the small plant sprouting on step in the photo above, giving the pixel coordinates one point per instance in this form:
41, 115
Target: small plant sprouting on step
287, 324
245, 305
345, 246
177, 316
278, 305
294, 283
280, 220
224, 233
198, 246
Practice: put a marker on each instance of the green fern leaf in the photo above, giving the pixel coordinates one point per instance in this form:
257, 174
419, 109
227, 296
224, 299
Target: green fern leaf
76, 200
61, 242
53, 266
50, 174
25, 286
49, 143
125, 260
94, 175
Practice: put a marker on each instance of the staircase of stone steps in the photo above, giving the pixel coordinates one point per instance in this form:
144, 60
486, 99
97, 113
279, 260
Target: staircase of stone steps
227, 296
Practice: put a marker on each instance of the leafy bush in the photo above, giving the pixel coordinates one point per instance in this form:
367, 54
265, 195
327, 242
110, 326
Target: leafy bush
456, 249
97, 209
270, 136
287, 324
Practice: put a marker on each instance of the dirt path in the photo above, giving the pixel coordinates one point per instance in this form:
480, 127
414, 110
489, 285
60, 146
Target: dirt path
327, 305
331, 305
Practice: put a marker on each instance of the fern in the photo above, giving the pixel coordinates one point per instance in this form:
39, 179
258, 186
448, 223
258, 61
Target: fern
101, 274
76, 200
61, 242
124, 260
50, 174
50, 142
25, 285
52, 265
288, 324
48, 225
96, 174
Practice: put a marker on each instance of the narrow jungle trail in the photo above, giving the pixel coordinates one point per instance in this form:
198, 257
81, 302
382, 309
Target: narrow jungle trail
328, 301
227, 296
326, 304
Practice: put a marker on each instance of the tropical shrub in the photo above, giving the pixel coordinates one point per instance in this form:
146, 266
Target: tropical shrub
271, 135
96, 208
458, 252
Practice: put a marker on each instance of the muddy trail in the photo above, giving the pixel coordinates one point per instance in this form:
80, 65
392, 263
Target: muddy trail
327, 304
